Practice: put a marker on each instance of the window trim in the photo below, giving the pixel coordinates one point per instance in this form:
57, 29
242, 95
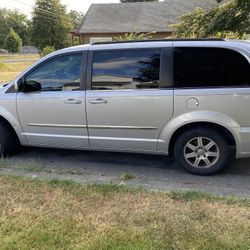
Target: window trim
164, 75
83, 70
167, 68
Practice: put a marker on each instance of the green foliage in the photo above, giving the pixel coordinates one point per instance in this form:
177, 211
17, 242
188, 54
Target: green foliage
51, 24
13, 42
190, 24
76, 18
231, 35
47, 50
134, 36
16, 20
127, 176
230, 19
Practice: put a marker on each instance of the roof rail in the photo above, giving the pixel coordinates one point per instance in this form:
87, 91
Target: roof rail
162, 40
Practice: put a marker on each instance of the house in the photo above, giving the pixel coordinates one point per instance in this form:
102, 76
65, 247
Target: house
29, 50
103, 22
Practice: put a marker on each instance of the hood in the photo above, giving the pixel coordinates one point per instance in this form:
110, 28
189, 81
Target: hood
5, 86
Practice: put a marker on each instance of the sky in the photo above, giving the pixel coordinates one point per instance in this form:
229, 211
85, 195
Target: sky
26, 6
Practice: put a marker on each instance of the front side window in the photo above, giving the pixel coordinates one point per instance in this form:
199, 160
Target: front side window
131, 69
210, 67
58, 74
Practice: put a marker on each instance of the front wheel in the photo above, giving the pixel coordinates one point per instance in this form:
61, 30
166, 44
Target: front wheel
9, 143
202, 151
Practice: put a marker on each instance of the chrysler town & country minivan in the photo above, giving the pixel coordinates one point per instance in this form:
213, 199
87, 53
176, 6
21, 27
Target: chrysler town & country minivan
188, 98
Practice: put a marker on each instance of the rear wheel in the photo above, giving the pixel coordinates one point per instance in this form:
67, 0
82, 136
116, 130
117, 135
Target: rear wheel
202, 151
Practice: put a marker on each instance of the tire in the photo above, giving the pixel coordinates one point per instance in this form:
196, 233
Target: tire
202, 151
9, 142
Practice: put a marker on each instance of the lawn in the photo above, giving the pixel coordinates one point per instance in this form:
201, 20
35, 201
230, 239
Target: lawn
10, 70
19, 56
38, 214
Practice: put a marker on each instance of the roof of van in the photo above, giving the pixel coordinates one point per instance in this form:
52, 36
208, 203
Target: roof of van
214, 42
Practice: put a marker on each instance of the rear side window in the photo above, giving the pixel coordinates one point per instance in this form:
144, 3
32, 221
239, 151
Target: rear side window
210, 67
130, 69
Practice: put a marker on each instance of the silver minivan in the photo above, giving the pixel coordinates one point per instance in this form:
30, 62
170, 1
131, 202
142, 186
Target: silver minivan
189, 98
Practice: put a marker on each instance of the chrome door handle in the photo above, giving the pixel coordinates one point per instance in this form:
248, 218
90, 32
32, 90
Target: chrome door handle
98, 101
72, 101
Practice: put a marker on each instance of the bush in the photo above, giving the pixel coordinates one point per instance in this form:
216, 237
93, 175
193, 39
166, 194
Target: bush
12, 42
134, 36
47, 50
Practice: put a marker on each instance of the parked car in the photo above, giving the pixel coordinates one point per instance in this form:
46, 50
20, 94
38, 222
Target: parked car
189, 98
3, 51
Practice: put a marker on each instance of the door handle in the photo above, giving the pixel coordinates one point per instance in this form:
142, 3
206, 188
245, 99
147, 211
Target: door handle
98, 101
72, 101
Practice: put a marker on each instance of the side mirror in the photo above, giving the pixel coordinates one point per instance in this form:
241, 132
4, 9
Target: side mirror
30, 86
16, 87
18, 84
27, 86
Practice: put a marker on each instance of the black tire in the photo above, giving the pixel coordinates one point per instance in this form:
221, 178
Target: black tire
195, 158
9, 142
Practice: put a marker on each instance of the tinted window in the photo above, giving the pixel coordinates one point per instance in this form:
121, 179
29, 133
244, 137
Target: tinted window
59, 74
126, 69
210, 67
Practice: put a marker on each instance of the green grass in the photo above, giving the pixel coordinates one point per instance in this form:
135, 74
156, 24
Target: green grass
55, 214
12, 70
3, 67
9, 71
3, 162
194, 196
64, 171
127, 176
19, 56
31, 166
34, 166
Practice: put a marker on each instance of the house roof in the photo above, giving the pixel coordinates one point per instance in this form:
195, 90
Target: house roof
138, 16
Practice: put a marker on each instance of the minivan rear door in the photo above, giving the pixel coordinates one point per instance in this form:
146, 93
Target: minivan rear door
129, 97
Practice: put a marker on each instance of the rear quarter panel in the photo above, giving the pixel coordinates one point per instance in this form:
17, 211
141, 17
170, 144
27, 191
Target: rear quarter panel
228, 107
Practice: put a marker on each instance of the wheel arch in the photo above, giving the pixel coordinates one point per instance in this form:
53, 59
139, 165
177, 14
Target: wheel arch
4, 121
203, 124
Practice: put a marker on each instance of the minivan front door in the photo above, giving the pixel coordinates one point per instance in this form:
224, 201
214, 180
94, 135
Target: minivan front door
126, 103
54, 115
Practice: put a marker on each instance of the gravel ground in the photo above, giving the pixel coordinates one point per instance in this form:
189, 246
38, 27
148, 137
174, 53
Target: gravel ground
149, 171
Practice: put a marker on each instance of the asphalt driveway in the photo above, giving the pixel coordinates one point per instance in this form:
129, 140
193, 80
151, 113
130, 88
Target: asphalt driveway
149, 171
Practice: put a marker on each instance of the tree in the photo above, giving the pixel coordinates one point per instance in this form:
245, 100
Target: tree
150, 68
13, 42
133, 1
18, 21
230, 19
51, 24
76, 18
134, 36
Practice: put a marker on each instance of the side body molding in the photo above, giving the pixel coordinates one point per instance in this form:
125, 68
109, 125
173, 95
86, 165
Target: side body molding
194, 117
